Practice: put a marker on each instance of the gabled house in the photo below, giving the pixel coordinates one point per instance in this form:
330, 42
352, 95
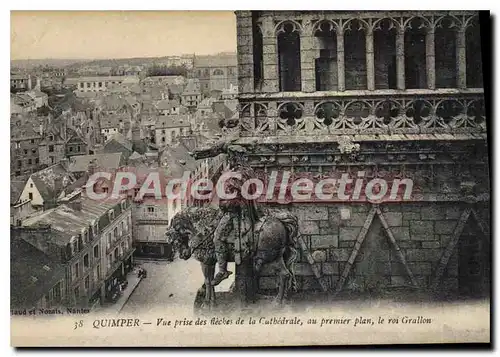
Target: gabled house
114, 123
79, 165
45, 187
169, 107
52, 148
37, 280
75, 143
134, 106
24, 140
167, 130
191, 95
19, 209
40, 98
118, 143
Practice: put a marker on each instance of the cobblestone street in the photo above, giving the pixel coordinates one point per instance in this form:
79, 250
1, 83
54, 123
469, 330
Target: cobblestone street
171, 285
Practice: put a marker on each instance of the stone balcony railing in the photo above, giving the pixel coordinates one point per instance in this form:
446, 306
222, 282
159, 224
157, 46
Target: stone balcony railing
382, 112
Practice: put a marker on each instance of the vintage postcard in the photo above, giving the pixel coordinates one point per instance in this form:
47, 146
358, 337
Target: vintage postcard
249, 178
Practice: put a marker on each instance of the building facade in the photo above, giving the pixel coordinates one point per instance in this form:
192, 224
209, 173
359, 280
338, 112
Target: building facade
24, 150
168, 130
97, 84
20, 82
216, 72
91, 239
151, 220
385, 95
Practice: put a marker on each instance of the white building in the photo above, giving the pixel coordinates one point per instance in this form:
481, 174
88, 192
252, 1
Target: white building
168, 129
99, 84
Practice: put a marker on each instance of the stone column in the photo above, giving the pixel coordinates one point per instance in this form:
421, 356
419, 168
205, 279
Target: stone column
430, 57
340, 59
370, 60
400, 58
461, 59
307, 58
270, 57
244, 33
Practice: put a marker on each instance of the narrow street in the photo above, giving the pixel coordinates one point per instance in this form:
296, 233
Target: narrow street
170, 285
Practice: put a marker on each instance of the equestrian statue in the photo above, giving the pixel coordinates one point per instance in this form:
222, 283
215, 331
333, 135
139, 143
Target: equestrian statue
236, 230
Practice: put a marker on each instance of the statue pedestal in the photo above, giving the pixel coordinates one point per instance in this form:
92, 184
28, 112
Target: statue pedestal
245, 283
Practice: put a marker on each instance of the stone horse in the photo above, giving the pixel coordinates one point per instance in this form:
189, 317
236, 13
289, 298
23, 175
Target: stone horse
191, 233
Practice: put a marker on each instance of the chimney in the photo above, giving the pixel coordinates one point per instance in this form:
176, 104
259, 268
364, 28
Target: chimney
38, 84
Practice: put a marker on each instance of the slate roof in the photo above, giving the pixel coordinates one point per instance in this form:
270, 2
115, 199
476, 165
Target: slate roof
139, 146
112, 102
82, 106
172, 121
51, 181
192, 87
157, 93
24, 131
120, 139
36, 93
193, 141
221, 109
19, 76
166, 104
80, 163
66, 222
32, 274
211, 122
135, 156
147, 105
90, 95
134, 88
16, 188
131, 101
231, 104
176, 88
78, 184
163, 105
177, 160
113, 120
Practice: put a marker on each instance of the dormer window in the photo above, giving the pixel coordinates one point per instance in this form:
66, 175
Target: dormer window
74, 246
46, 268
111, 215
84, 235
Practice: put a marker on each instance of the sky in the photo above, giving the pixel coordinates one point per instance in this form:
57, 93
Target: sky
120, 34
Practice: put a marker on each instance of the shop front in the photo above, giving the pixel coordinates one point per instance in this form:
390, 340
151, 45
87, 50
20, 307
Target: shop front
157, 250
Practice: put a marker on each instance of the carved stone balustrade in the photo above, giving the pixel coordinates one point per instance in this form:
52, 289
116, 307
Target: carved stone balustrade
383, 112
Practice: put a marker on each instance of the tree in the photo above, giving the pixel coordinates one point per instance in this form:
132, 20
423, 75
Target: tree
162, 70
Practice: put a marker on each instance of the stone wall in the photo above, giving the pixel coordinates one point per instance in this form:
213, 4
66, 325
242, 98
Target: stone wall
421, 230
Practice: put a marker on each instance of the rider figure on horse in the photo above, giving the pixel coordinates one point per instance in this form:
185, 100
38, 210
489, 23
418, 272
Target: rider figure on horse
235, 210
